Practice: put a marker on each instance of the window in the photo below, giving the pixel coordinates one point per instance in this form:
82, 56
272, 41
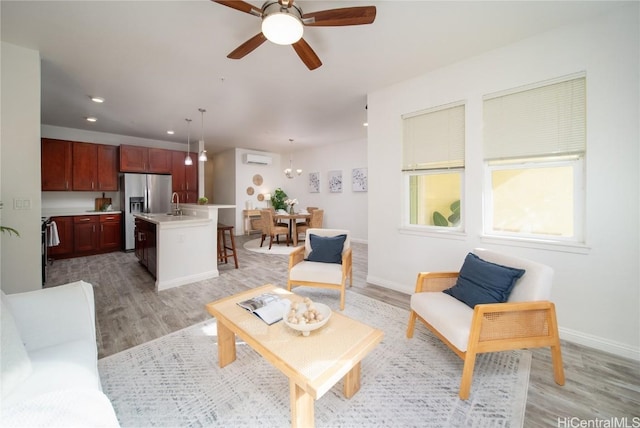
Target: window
534, 145
433, 166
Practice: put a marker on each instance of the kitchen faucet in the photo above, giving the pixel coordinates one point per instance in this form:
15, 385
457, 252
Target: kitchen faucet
176, 197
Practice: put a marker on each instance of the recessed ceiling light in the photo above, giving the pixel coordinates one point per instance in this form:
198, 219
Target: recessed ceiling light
92, 119
170, 132
365, 124
97, 99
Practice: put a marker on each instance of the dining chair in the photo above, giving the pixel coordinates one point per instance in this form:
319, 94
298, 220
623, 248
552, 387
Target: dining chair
310, 210
269, 228
314, 222
277, 221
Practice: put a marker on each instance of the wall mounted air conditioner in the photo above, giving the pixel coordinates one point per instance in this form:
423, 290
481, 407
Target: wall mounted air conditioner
257, 159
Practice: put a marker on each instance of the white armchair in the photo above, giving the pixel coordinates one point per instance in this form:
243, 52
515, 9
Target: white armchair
322, 274
526, 320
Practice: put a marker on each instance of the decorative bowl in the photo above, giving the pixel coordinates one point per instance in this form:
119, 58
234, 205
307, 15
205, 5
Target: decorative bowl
305, 329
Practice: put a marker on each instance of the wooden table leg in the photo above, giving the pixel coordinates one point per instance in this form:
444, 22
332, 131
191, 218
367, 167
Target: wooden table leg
301, 407
352, 381
226, 345
294, 231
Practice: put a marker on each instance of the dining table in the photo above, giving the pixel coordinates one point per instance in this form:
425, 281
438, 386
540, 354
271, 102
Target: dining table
293, 221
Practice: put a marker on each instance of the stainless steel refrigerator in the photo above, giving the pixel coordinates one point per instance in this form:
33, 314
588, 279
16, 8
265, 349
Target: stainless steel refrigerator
143, 193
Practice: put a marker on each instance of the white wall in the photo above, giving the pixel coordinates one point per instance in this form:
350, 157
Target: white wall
344, 210
20, 168
224, 187
597, 291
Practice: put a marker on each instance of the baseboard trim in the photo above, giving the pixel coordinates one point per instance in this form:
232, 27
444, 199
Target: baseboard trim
176, 282
599, 343
402, 288
573, 336
359, 241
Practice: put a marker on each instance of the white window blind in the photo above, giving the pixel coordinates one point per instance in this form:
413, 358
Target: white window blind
547, 120
433, 139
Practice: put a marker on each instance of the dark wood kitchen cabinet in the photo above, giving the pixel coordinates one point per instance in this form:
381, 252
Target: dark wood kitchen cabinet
56, 164
72, 165
145, 160
95, 167
85, 162
110, 232
184, 178
85, 233
64, 225
107, 167
146, 245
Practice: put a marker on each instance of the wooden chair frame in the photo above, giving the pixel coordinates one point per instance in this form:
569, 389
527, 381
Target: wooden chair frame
314, 222
269, 228
496, 327
297, 256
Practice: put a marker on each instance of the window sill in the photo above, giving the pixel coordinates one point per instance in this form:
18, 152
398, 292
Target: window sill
434, 233
540, 244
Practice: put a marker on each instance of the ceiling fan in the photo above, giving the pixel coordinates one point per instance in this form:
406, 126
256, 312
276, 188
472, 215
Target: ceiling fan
283, 21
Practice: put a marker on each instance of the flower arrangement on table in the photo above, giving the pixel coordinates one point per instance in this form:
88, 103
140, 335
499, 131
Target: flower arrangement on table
291, 203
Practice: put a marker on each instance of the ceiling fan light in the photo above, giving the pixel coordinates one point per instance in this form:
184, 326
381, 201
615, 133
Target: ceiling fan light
282, 28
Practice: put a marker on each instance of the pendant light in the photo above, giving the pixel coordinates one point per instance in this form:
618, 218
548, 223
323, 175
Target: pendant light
203, 154
188, 160
288, 172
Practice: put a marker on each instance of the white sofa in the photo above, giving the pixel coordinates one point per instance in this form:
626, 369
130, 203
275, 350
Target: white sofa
49, 360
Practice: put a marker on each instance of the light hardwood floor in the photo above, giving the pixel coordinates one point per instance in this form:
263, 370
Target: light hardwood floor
599, 386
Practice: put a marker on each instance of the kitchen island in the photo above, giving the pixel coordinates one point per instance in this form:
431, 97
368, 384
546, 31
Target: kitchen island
179, 249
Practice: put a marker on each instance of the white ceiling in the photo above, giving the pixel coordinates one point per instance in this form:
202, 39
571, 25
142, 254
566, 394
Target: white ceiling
157, 62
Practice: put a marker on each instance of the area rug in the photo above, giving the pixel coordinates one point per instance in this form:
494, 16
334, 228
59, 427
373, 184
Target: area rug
175, 381
282, 248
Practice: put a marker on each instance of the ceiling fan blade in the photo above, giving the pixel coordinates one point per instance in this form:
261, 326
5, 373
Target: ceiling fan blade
248, 46
306, 54
338, 17
240, 5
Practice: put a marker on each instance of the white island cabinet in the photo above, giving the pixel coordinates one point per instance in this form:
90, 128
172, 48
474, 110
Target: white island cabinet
185, 245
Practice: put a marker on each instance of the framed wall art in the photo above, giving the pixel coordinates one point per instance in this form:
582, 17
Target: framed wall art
335, 181
314, 182
359, 181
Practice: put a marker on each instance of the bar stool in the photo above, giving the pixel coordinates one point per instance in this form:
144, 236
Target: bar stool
223, 256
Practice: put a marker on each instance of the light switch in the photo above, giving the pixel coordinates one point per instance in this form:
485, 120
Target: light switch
21, 204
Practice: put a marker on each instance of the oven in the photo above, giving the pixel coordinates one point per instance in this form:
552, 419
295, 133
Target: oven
45, 227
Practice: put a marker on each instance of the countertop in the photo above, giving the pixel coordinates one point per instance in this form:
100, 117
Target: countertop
165, 219
62, 212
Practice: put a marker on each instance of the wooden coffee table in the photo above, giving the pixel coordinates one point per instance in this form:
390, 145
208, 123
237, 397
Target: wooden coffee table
313, 364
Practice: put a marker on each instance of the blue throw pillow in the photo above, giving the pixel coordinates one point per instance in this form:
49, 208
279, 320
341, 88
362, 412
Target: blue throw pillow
326, 249
484, 282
